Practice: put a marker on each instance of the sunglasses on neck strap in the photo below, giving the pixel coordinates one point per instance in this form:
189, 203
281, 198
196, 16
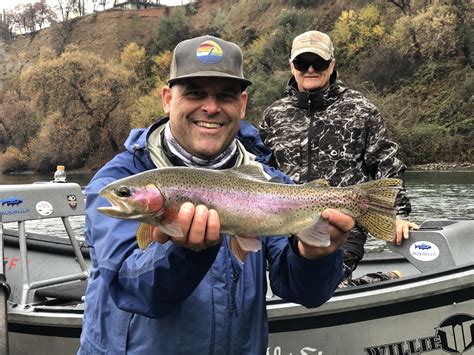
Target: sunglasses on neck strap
318, 64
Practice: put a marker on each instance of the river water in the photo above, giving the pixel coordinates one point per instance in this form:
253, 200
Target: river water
433, 194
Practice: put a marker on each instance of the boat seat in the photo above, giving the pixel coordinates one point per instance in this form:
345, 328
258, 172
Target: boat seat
73, 291
438, 244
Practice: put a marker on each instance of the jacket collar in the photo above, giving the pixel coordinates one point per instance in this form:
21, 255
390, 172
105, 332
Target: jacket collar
314, 100
248, 135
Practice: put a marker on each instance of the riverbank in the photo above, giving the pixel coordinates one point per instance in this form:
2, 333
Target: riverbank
441, 166
428, 167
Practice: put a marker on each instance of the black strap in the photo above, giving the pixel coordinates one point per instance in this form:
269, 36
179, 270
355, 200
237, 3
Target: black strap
6, 287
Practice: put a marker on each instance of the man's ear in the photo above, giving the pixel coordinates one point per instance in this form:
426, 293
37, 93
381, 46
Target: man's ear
244, 96
166, 94
292, 68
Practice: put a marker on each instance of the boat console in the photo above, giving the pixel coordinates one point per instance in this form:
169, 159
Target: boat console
438, 245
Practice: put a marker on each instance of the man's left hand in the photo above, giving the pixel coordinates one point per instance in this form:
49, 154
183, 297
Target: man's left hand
402, 229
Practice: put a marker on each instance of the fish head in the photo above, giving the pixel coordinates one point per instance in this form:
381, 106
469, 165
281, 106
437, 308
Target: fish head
141, 203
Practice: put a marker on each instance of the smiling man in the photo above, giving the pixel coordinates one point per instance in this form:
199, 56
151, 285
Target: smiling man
321, 129
190, 295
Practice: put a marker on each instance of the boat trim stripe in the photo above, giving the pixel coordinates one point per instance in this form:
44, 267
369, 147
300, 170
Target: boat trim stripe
353, 316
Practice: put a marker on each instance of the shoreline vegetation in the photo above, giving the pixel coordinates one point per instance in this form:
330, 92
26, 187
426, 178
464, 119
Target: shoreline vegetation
441, 166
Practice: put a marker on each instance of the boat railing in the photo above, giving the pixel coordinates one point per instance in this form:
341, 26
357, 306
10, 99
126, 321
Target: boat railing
25, 202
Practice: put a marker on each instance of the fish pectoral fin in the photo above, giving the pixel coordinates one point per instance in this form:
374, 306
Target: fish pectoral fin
173, 229
169, 224
241, 246
317, 235
144, 235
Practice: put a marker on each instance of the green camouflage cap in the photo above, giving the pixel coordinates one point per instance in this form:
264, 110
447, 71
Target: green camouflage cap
207, 56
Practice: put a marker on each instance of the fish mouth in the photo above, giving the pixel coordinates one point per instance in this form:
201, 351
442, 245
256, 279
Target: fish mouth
119, 208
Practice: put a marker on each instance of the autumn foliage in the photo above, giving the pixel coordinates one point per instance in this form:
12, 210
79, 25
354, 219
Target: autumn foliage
413, 60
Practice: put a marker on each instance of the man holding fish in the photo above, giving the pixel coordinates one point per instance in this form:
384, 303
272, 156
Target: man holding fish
178, 268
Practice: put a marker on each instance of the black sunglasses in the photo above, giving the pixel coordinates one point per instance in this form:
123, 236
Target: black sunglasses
317, 64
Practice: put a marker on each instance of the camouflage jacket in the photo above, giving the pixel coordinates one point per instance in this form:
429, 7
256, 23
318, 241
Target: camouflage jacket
336, 134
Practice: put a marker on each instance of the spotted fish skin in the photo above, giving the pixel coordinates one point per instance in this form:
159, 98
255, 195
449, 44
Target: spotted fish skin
249, 205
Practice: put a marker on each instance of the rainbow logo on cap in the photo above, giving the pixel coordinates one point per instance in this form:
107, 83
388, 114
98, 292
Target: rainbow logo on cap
209, 52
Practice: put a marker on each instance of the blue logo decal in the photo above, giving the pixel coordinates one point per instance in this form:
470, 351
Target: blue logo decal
422, 246
11, 201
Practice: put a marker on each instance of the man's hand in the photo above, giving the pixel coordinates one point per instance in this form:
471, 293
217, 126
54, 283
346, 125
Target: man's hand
200, 226
339, 225
402, 228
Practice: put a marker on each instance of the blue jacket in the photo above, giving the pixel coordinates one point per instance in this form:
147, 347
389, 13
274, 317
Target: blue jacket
171, 300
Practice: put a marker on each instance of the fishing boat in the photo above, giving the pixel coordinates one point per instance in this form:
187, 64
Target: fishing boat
429, 310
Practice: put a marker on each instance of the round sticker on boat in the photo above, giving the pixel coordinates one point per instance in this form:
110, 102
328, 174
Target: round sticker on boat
424, 251
44, 208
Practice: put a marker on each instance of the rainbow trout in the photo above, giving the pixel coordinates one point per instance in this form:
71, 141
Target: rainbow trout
248, 204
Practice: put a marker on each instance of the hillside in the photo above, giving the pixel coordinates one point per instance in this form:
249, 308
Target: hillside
425, 96
106, 33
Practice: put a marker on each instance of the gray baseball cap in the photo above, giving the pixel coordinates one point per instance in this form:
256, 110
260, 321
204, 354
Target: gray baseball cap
207, 56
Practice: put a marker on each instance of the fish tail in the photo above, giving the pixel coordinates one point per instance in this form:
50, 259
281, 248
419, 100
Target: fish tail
379, 219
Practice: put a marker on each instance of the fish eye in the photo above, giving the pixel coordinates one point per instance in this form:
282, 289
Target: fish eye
123, 191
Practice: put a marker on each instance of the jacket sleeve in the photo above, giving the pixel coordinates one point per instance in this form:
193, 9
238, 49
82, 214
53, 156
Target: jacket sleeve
300, 280
265, 130
151, 282
381, 158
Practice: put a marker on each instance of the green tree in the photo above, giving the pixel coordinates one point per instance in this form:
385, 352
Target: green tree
264, 90
431, 34
171, 30
271, 52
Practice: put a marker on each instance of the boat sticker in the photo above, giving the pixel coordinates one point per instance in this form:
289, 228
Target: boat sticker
457, 333
306, 350
424, 251
454, 335
11, 201
72, 201
13, 212
44, 208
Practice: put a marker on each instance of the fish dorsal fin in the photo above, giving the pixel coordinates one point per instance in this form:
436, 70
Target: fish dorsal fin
319, 183
250, 172
144, 235
317, 234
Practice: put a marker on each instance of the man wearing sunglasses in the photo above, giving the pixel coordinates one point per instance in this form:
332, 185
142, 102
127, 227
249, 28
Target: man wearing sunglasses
321, 129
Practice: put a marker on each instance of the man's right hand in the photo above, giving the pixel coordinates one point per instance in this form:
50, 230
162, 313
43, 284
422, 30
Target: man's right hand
200, 226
